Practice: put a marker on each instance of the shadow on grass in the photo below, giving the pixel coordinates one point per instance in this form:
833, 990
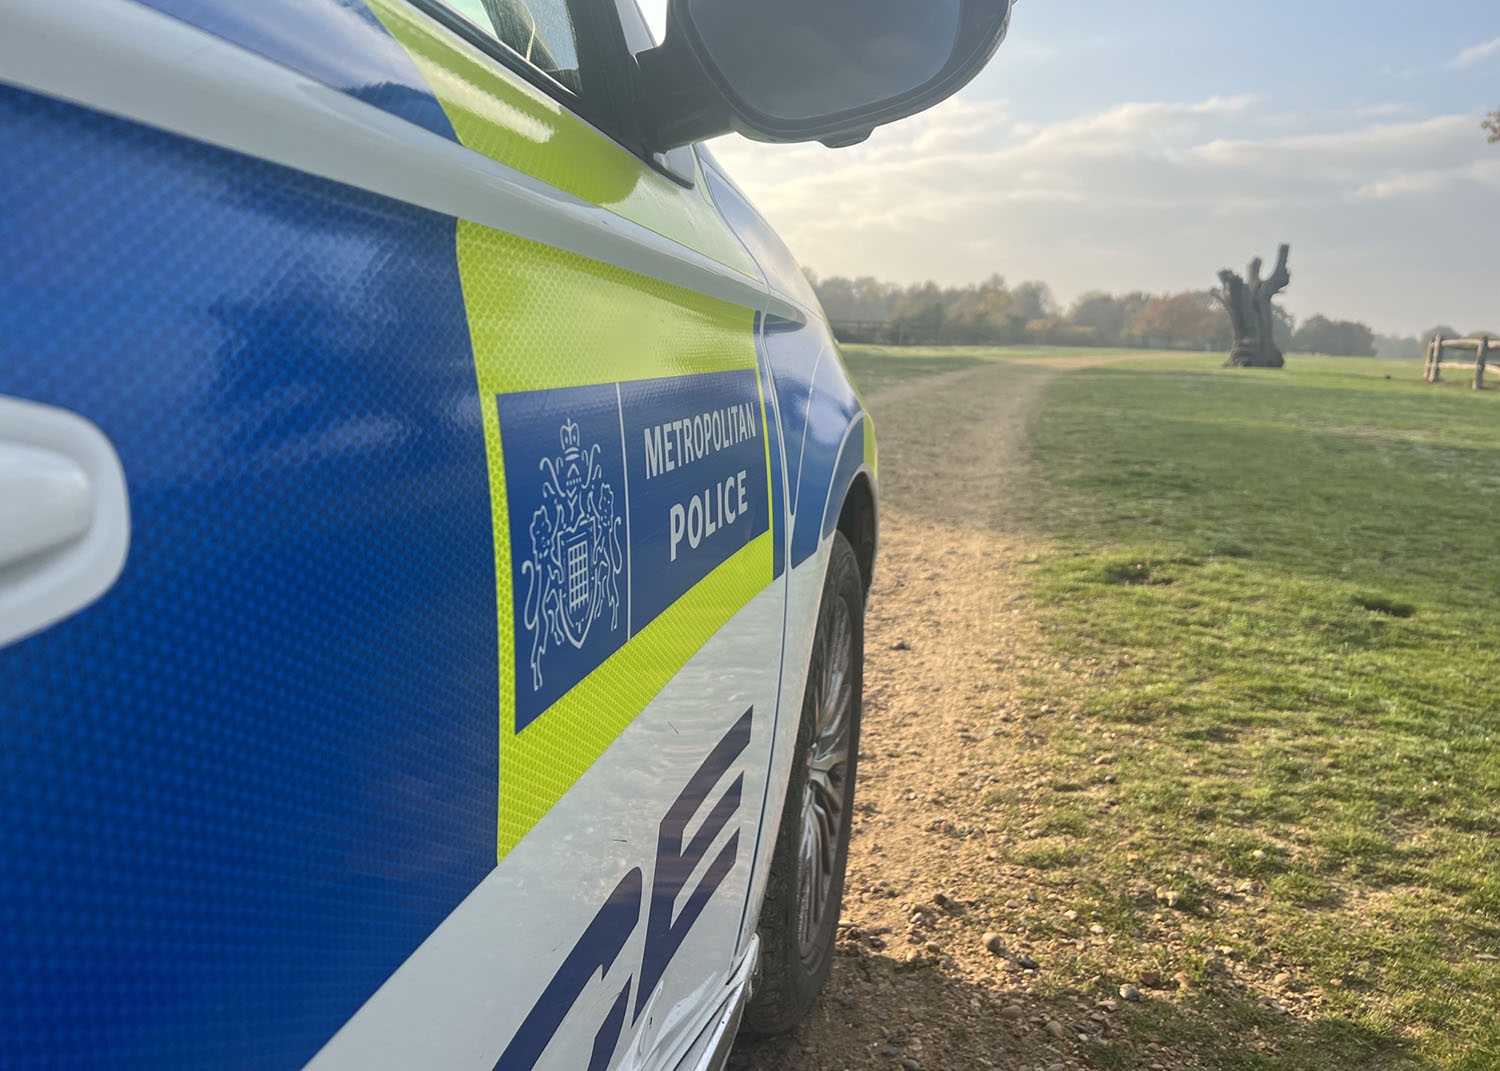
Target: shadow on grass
877, 1012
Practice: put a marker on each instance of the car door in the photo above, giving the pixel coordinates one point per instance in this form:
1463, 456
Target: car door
428, 723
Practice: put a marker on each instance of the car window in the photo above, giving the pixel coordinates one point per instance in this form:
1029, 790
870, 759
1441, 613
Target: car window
539, 31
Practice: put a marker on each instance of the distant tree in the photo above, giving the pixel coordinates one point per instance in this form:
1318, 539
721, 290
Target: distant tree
1132, 304
1343, 338
1491, 125
873, 299
1283, 327
1398, 347
992, 313
918, 314
1103, 314
837, 296
864, 299
983, 314
1033, 301
1440, 329
1189, 320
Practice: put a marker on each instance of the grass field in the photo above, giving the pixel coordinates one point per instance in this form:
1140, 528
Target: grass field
1273, 598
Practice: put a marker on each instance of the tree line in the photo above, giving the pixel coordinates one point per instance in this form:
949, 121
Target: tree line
995, 313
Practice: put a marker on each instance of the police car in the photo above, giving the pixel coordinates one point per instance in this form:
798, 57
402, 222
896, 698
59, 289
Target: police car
435, 525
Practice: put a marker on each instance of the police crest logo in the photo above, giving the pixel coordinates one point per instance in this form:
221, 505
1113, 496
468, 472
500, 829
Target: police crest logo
576, 552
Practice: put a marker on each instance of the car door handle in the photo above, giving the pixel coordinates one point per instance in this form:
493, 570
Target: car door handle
64, 516
49, 501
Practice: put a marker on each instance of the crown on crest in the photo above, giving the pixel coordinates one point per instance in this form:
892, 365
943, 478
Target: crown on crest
569, 436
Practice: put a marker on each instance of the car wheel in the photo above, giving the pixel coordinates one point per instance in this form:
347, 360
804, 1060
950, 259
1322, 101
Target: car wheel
806, 885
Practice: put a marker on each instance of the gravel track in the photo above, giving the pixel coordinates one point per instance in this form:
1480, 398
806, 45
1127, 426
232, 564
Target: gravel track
947, 637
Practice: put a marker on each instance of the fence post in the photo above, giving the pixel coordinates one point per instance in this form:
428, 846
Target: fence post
1437, 359
1481, 353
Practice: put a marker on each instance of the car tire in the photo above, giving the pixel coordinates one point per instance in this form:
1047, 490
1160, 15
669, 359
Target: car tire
799, 917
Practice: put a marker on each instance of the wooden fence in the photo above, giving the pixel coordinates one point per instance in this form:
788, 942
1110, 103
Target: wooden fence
1439, 345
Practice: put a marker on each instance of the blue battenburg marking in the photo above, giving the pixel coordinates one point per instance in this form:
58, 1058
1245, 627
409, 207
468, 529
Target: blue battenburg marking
850, 458
241, 788
591, 568
830, 410
791, 353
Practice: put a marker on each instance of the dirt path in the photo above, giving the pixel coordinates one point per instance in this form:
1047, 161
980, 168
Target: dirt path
914, 984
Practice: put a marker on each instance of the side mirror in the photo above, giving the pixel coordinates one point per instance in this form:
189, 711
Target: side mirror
810, 70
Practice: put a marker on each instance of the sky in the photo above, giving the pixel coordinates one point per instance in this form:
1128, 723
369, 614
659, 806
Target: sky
1144, 146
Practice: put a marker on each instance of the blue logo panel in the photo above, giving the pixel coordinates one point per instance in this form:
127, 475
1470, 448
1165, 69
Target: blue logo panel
622, 497
564, 478
697, 457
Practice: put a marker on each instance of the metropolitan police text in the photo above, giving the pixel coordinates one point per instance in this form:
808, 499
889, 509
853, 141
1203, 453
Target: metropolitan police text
677, 443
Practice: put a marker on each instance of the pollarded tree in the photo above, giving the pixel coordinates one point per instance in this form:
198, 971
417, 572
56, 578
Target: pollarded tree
1248, 303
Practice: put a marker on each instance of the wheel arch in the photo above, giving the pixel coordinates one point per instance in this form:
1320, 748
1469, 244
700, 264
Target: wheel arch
860, 524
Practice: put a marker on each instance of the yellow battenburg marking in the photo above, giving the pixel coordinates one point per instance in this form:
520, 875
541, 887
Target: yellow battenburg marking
544, 761
497, 114
542, 318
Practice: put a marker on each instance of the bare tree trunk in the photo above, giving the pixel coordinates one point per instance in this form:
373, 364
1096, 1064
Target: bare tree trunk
1248, 303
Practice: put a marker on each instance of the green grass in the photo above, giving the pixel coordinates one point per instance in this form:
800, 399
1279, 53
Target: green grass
1277, 599
875, 368
1008, 353
874, 372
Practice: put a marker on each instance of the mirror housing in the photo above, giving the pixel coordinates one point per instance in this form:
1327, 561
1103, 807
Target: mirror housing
809, 70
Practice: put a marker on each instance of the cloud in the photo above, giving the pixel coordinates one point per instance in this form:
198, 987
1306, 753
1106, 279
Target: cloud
1437, 180
1128, 121
1476, 53
1348, 154
1150, 195
1411, 184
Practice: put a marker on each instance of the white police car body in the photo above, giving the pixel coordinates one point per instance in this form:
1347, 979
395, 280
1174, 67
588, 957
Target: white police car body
434, 528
